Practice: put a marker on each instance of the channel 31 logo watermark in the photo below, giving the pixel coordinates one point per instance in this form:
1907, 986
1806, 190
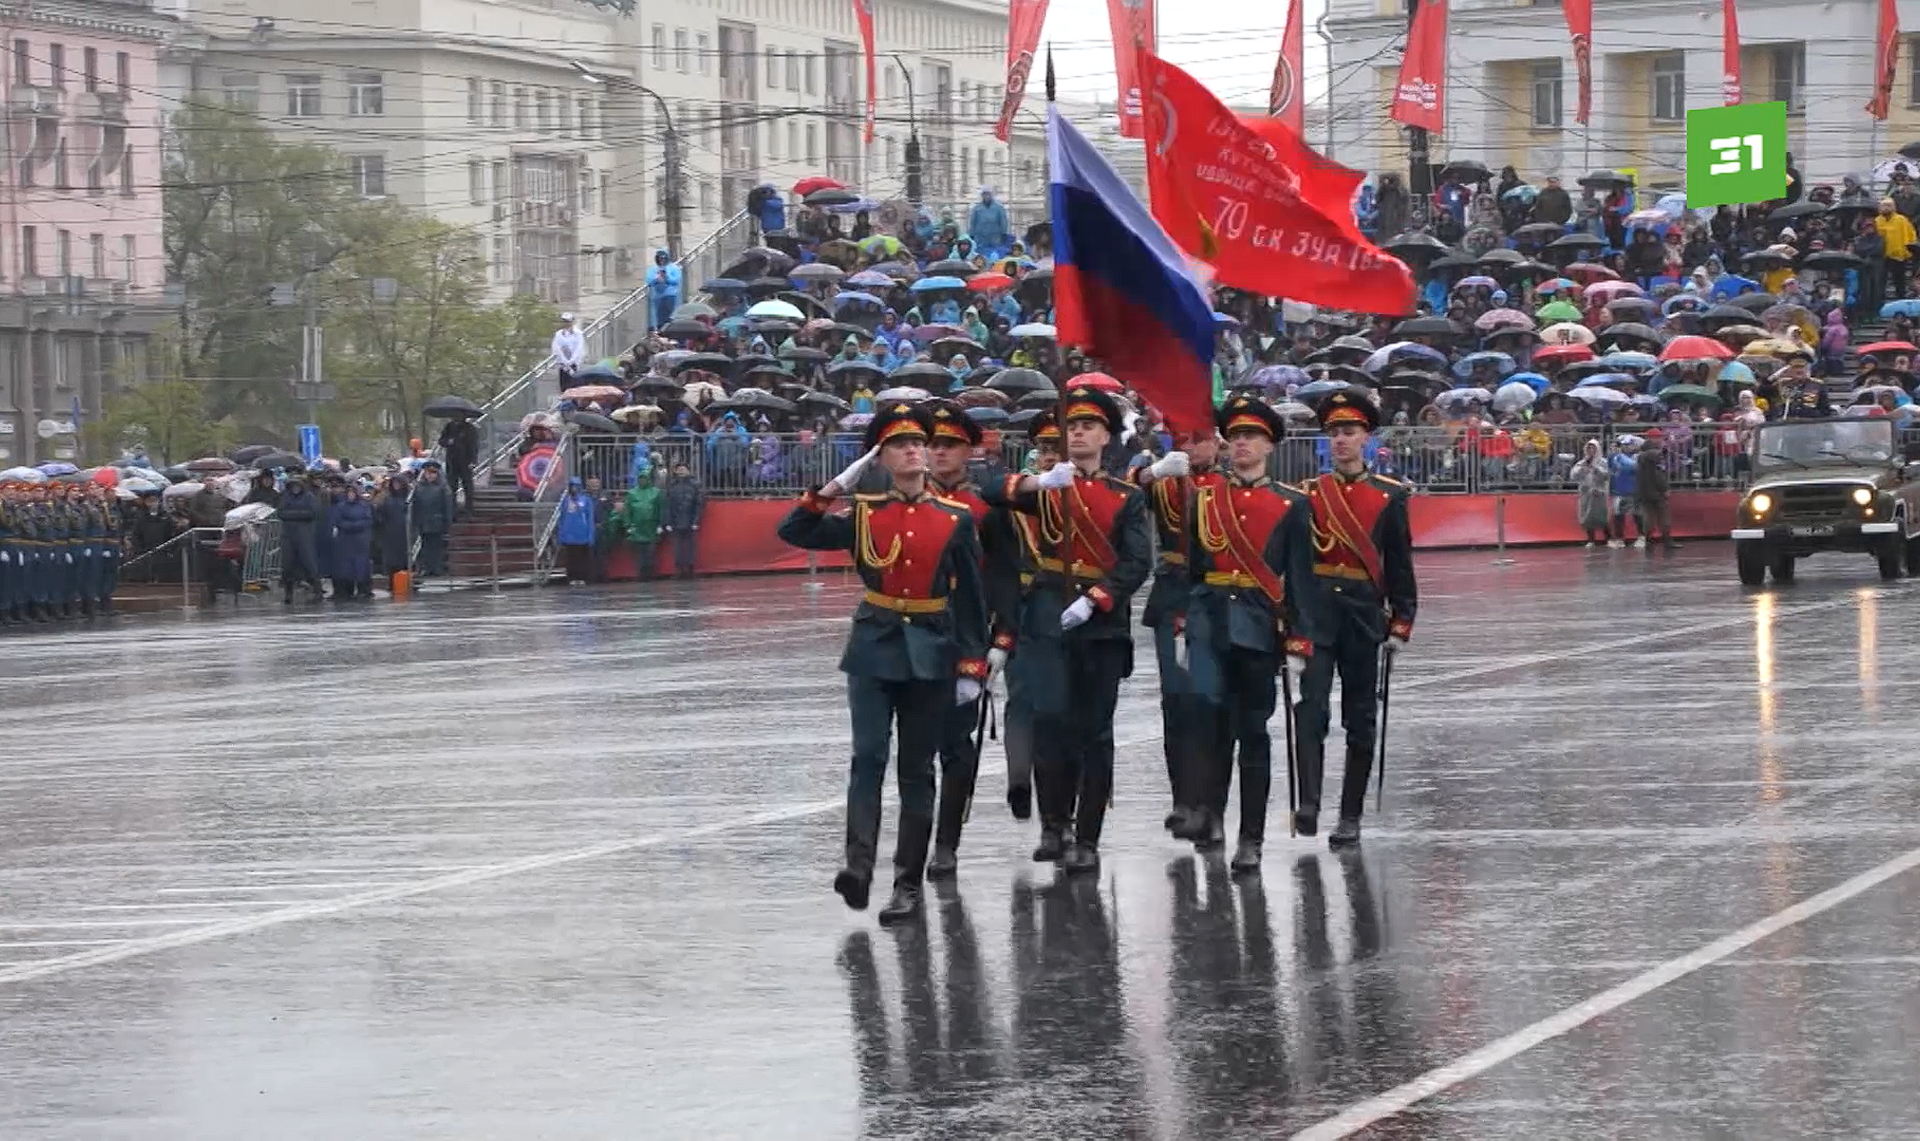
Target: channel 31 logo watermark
1736, 155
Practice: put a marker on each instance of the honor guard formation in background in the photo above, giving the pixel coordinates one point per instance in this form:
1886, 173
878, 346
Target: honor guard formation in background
1263, 594
60, 546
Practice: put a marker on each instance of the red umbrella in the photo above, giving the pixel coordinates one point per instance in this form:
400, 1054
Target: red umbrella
1886, 347
533, 468
1099, 381
1586, 273
1691, 348
1561, 354
815, 182
982, 282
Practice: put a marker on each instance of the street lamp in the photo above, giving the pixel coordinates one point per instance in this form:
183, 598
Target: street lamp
670, 200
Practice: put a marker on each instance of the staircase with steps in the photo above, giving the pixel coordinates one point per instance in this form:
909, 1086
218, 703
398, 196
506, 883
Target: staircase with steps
499, 517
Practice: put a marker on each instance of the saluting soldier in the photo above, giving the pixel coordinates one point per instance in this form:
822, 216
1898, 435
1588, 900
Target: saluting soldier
1252, 566
955, 436
918, 644
1169, 491
1036, 677
1098, 525
1363, 565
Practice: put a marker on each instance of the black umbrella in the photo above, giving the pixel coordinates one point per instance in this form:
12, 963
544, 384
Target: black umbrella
1044, 398
919, 370
591, 421
1757, 302
1454, 260
753, 399
844, 330
1629, 331
1336, 321
768, 286
827, 400
1021, 420
785, 245
1540, 231
655, 384
276, 459
1415, 244
831, 196
709, 362
896, 270
252, 452
1727, 314
946, 347
1834, 260
747, 362
685, 330
1806, 208
452, 408
863, 367
1427, 327
1466, 170
1344, 373
1770, 259
804, 353
1502, 257
951, 267
746, 267
1020, 380
1911, 150
724, 285
1606, 178
772, 325
1576, 242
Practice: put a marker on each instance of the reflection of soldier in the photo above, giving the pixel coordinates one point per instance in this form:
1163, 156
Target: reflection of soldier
1035, 686
1066, 972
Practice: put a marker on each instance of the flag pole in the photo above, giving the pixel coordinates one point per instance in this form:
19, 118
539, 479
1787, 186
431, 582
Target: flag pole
1419, 166
1050, 95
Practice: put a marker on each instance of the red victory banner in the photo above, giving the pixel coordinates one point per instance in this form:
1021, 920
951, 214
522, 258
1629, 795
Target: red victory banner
1266, 211
1287, 100
1024, 20
1729, 54
1580, 27
1420, 95
863, 11
1132, 24
1886, 56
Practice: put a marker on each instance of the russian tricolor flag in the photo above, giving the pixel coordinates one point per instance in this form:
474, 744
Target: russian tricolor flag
1122, 290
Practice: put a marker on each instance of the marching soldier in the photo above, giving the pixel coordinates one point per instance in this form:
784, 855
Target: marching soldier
1035, 675
1251, 568
112, 538
29, 525
1169, 491
10, 566
1098, 526
918, 644
1363, 564
955, 436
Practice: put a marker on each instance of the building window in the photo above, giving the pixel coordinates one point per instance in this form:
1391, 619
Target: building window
369, 175
542, 111
240, 90
129, 246
706, 198
365, 93
793, 139
893, 155
90, 69
520, 108
60, 167
63, 252
303, 96
606, 194
1790, 76
586, 192
793, 71
474, 101
22, 63
1546, 94
773, 67
563, 108
1670, 88
29, 249
659, 47
476, 182
813, 143
773, 141
500, 262
497, 103
600, 121
500, 186
681, 52
123, 72
126, 172
813, 74
586, 117
893, 80
57, 64
97, 261
703, 52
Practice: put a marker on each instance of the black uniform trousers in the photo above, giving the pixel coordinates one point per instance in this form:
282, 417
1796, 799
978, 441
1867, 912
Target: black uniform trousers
1238, 723
921, 709
1074, 752
959, 768
1355, 657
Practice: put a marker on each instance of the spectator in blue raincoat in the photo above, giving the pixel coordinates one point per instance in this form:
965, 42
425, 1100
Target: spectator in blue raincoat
579, 519
946, 311
298, 513
352, 568
768, 207
988, 225
663, 288
1625, 469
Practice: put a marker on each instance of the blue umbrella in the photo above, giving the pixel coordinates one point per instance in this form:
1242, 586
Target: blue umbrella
987, 415
1608, 380
732, 325
1521, 193
1320, 388
1400, 350
1223, 319
1538, 383
862, 298
1458, 396
1274, 376
58, 467
1685, 302
1501, 362
929, 284
1904, 308
1629, 361
867, 279
1732, 286
723, 285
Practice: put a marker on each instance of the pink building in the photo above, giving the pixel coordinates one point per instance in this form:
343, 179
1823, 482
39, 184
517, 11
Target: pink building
81, 263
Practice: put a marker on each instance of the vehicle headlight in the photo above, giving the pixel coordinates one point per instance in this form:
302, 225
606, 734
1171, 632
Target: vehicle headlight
1863, 495
1760, 504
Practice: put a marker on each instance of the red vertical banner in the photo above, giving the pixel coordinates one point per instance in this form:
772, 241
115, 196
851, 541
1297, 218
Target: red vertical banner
1420, 95
1286, 101
1580, 27
1131, 22
1024, 21
1886, 59
863, 11
1730, 92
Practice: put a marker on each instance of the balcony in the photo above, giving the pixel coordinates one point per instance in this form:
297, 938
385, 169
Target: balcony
105, 108
36, 102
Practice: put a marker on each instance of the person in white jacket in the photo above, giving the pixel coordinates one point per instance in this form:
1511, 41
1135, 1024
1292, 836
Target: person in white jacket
569, 350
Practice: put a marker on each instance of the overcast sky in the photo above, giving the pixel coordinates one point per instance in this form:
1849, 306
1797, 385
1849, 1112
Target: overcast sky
1229, 46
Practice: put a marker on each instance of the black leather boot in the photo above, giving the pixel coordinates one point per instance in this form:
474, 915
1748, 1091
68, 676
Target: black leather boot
1246, 858
909, 867
855, 880
905, 904
1020, 800
1311, 759
945, 863
1346, 834
1213, 833
1082, 860
1053, 844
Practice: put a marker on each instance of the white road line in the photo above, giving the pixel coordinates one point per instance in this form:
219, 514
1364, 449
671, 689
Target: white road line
194, 904
135, 948
1372, 1111
44, 924
60, 943
273, 887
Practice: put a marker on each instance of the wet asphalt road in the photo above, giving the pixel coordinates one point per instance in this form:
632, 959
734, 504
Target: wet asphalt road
556, 865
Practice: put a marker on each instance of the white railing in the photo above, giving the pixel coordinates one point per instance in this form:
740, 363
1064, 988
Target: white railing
546, 507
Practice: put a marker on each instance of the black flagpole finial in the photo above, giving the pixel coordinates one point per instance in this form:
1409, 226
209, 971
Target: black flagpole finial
1050, 94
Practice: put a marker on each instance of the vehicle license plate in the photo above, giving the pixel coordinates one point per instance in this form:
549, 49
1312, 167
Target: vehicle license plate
1814, 529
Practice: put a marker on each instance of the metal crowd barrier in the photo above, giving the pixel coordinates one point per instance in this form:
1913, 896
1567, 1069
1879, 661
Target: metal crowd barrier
1434, 461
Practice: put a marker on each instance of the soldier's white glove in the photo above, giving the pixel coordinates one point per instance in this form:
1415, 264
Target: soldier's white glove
996, 663
849, 479
1077, 614
966, 691
1180, 650
1296, 671
1395, 645
1170, 466
1056, 477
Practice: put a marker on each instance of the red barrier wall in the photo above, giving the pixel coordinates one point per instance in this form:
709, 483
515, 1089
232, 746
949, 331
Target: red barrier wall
736, 535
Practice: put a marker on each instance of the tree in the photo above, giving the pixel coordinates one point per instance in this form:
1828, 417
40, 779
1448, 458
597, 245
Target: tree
165, 418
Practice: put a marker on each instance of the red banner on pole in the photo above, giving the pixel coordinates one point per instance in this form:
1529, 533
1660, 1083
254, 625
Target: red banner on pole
863, 11
1580, 27
1886, 58
1132, 24
1266, 211
1420, 96
1730, 92
1286, 101
1024, 21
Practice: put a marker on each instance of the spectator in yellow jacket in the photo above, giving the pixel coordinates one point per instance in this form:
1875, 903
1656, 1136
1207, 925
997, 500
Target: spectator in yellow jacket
1896, 234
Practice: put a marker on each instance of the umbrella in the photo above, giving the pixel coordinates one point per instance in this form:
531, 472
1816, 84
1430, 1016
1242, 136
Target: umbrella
978, 396
581, 394
1605, 291
777, 310
1502, 257
633, 412
1695, 348
1563, 354
1540, 231
1319, 388
837, 250
284, 460
135, 486
1731, 314
1033, 329
830, 196
946, 347
706, 362
1348, 374
685, 329
1417, 244
764, 287
1400, 350
210, 464
1426, 327
1587, 273
1476, 281
1833, 261
1557, 311
1275, 377
806, 354
1906, 307
1606, 179
1465, 170
951, 267
1790, 314
1521, 193
1580, 241
1609, 380
902, 392
1597, 395
1459, 260
1098, 381
1513, 396
815, 272
534, 420
857, 299
1620, 305
1020, 381
723, 285
815, 182
1498, 318
867, 279
985, 416
1465, 366
1690, 394
694, 311
1738, 335
1886, 347
826, 400
654, 383
1628, 361
1774, 347
933, 284
932, 331
701, 392
856, 422
253, 452
752, 400
895, 271
1805, 208
862, 367
985, 282
881, 245
1766, 259
1462, 397
183, 490
922, 370
591, 421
